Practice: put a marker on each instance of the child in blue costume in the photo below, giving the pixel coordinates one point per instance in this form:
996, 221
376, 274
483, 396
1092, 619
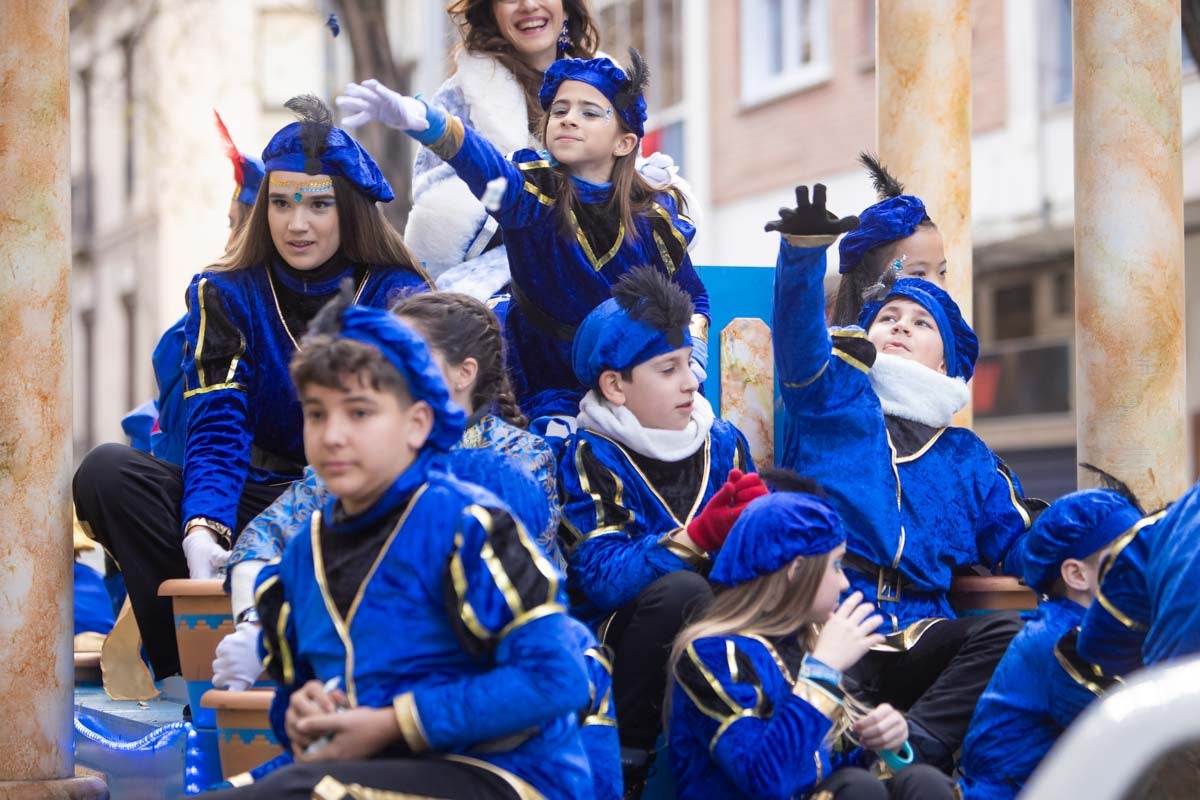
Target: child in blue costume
1022, 712
1146, 611
576, 216
314, 224
757, 704
464, 338
476, 697
646, 458
868, 415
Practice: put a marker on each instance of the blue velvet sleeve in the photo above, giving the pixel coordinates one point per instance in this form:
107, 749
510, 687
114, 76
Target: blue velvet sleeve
598, 728
1115, 625
686, 275
507, 603
1004, 521
478, 161
278, 646
264, 537
618, 555
218, 369
804, 356
767, 752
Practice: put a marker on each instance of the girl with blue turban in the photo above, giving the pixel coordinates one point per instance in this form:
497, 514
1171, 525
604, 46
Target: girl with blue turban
758, 708
895, 233
314, 224
869, 414
575, 216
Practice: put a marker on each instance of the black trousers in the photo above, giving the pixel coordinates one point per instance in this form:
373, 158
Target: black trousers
131, 502
414, 777
939, 680
641, 635
918, 782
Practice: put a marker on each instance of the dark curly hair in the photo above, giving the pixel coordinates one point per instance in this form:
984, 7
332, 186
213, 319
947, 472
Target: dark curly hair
481, 36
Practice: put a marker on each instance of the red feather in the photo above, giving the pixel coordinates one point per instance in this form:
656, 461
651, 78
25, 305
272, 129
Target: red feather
231, 150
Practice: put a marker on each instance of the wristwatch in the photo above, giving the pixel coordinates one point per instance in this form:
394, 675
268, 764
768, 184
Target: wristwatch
247, 615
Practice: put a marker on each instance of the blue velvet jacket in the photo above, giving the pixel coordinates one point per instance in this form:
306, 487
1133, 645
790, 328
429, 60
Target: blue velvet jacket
598, 721
556, 281
745, 724
945, 504
244, 421
512, 464
485, 670
619, 521
1146, 610
1022, 712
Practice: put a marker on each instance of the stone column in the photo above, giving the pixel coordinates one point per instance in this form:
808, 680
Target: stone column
36, 665
1129, 307
923, 94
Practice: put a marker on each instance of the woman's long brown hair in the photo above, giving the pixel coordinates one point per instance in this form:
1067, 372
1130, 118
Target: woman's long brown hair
367, 237
481, 36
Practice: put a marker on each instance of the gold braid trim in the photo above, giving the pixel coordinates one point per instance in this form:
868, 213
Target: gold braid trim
451, 141
409, 720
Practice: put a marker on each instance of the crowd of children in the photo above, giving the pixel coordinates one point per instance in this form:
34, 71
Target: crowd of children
451, 605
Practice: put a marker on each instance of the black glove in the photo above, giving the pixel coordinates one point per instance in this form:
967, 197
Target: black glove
811, 219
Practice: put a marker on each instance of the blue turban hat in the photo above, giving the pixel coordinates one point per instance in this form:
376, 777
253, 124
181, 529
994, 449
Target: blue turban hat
772, 531
252, 175
1075, 526
316, 147
626, 93
647, 316
886, 221
408, 353
960, 346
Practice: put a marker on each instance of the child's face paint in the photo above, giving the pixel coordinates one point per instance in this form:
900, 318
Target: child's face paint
302, 215
904, 328
583, 132
922, 255
359, 439
662, 393
829, 591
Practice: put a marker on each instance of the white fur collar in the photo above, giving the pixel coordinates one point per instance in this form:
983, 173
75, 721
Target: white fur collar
914, 392
619, 424
496, 100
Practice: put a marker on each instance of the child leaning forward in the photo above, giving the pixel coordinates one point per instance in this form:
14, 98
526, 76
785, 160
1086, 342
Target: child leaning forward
757, 704
475, 699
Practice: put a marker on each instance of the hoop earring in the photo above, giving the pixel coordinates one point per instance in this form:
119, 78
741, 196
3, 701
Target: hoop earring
564, 38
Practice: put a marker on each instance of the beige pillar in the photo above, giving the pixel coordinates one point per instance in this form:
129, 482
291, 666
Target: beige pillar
36, 667
1129, 308
923, 93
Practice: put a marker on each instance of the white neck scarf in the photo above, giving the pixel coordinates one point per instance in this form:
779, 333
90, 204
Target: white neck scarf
619, 424
915, 392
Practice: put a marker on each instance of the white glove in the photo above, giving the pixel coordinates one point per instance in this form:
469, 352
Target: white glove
371, 101
700, 372
205, 556
237, 666
658, 170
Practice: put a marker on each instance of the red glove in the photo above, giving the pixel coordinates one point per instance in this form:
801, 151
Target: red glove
709, 529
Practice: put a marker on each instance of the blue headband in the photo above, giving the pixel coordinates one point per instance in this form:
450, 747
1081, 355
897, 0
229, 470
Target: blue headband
603, 75
886, 221
342, 156
609, 339
408, 353
960, 346
252, 175
772, 531
1074, 526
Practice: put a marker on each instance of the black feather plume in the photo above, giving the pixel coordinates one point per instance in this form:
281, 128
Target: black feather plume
328, 321
316, 120
885, 182
1114, 484
784, 480
636, 81
650, 297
